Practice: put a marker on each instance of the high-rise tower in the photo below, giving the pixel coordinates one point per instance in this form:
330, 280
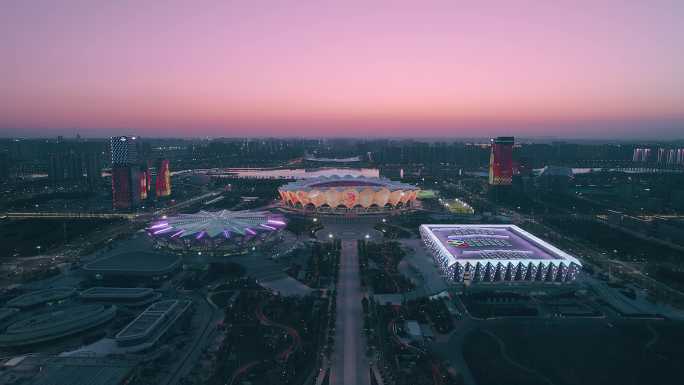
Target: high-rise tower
501, 161
163, 182
126, 186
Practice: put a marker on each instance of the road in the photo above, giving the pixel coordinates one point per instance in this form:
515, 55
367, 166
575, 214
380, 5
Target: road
349, 362
139, 216
67, 215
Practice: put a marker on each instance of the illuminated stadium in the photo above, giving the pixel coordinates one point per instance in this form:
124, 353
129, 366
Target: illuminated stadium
222, 232
344, 194
496, 253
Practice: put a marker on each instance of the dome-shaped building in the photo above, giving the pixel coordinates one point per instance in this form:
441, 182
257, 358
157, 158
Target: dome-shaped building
222, 231
343, 194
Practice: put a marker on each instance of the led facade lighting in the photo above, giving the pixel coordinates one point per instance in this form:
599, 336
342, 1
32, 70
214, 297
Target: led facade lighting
347, 192
211, 224
493, 253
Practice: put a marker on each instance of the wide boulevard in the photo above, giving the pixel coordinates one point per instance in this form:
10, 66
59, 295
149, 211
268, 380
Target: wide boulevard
350, 365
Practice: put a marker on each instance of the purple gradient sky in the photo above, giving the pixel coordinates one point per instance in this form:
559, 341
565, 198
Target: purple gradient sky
342, 68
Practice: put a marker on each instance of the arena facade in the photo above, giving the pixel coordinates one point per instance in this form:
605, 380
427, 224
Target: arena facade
345, 194
218, 232
496, 253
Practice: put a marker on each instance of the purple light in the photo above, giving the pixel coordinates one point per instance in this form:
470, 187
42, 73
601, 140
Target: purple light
268, 227
226, 234
200, 235
164, 230
276, 222
177, 233
250, 231
159, 225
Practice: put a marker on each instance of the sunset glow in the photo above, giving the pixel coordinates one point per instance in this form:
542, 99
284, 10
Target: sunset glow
343, 68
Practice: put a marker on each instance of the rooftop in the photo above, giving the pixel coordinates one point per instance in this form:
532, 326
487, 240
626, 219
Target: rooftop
346, 181
41, 296
7, 312
55, 324
116, 292
214, 223
474, 243
83, 371
152, 322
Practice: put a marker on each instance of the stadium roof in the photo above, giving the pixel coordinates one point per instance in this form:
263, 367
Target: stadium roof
213, 223
344, 182
492, 243
117, 292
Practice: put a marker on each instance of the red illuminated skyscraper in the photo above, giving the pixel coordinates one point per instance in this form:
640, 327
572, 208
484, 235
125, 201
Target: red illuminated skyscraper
501, 161
122, 194
142, 182
162, 184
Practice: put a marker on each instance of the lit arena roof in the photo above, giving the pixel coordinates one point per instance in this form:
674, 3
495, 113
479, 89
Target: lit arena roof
342, 182
213, 223
492, 250
360, 194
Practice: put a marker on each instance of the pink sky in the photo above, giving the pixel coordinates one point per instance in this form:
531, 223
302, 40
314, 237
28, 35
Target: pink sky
342, 68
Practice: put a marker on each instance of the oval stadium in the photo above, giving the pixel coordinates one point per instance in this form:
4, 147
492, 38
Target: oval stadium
345, 194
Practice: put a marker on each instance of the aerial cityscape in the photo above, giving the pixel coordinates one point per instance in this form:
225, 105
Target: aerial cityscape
341, 193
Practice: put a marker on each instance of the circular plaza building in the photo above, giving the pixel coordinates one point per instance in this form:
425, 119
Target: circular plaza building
217, 232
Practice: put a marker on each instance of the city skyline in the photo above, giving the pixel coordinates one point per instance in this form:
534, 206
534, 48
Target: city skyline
333, 69
346, 192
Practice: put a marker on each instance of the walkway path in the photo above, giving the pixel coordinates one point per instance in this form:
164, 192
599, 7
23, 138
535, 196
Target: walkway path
349, 362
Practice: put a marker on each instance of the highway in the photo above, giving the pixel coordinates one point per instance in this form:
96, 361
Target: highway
142, 216
66, 215
349, 362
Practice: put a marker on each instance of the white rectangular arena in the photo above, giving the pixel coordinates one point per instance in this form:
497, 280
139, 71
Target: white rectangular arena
496, 253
